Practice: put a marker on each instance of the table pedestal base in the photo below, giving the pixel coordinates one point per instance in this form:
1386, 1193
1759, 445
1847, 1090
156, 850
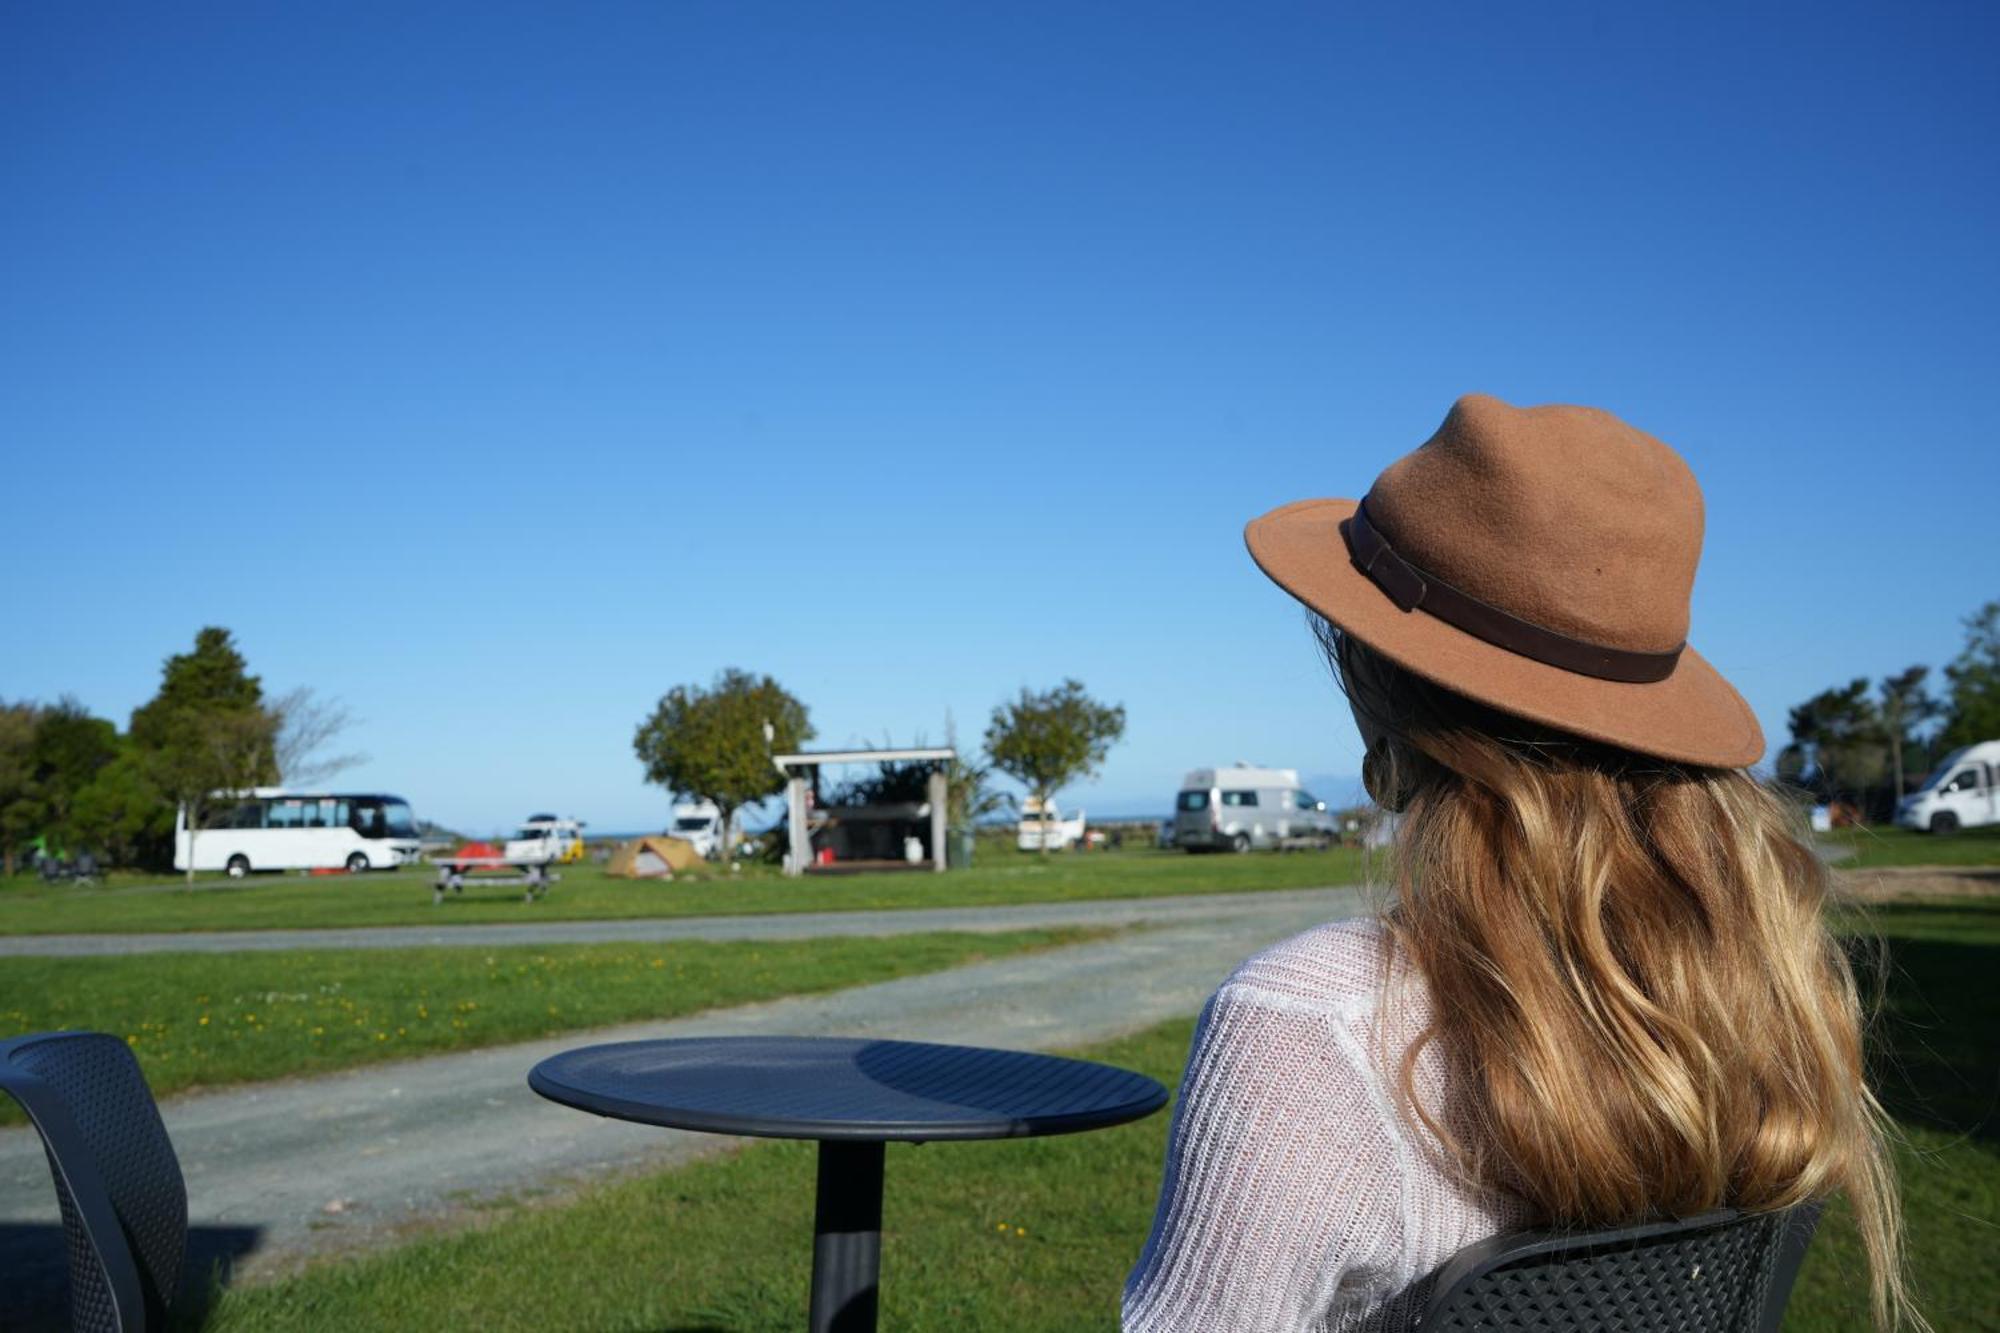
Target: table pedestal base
847, 1237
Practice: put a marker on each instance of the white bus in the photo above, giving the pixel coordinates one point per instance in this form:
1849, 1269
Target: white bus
269, 828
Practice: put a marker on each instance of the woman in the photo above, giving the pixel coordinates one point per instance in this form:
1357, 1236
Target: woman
1603, 989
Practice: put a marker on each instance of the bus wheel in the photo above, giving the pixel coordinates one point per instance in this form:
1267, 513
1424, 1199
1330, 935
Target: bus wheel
1240, 843
239, 866
357, 863
1944, 822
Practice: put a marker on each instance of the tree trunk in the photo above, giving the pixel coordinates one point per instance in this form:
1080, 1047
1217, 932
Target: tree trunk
193, 825
1042, 797
1896, 763
728, 833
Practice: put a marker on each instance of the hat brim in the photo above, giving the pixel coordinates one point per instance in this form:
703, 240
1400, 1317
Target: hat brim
1693, 716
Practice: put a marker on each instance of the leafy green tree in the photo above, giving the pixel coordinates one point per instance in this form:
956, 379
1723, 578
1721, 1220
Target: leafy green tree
1838, 744
713, 744
1974, 711
70, 748
18, 806
206, 731
121, 814
1905, 705
1046, 740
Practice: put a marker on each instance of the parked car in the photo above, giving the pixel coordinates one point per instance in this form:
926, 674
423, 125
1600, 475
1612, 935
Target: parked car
1961, 792
1243, 807
1046, 827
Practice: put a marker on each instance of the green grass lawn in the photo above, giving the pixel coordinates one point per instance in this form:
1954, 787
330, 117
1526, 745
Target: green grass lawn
1038, 1234
1879, 846
586, 893
205, 1020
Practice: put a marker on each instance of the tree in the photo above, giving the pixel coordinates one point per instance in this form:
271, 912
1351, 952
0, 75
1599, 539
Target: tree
70, 748
1049, 739
306, 725
1905, 705
1837, 738
1974, 713
120, 813
206, 732
716, 744
17, 779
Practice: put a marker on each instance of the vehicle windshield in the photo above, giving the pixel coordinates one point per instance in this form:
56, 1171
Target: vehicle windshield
1194, 800
691, 822
379, 819
530, 834
1945, 768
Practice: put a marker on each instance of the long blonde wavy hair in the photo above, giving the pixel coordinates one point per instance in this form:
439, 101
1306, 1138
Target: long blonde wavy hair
1641, 1005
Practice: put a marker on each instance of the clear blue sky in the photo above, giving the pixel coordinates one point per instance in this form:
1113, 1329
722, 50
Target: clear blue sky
494, 367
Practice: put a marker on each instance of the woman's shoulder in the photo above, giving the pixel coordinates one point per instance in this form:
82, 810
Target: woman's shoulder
1339, 967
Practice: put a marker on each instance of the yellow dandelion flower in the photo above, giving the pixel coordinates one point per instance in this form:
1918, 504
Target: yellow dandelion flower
204, 1020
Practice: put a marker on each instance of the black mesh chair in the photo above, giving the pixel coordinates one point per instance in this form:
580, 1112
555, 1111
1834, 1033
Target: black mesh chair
124, 1206
1720, 1272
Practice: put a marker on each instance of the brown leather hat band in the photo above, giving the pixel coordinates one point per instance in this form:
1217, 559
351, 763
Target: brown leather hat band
1412, 589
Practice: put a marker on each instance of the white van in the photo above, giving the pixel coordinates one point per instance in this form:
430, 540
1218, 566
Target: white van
546, 840
1044, 826
700, 823
1961, 792
1243, 807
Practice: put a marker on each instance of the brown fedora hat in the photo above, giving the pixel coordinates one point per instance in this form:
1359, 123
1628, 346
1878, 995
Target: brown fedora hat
1536, 559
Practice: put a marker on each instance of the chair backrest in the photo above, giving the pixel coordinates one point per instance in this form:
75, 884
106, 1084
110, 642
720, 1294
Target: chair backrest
124, 1205
1720, 1272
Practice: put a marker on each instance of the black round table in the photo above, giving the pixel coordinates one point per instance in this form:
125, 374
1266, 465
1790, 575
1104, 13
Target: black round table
853, 1096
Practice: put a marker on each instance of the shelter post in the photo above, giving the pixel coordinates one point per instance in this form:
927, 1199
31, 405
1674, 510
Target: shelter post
937, 791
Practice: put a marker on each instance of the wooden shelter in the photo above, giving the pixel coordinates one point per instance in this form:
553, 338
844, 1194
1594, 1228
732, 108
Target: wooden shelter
801, 772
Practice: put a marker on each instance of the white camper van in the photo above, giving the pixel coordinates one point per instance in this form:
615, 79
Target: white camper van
1242, 807
1044, 826
700, 822
1961, 792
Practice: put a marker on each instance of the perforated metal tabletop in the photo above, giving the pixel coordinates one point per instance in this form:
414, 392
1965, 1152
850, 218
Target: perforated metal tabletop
854, 1096
844, 1088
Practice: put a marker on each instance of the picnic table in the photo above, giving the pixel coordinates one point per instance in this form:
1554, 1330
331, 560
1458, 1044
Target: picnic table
453, 871
853, 1096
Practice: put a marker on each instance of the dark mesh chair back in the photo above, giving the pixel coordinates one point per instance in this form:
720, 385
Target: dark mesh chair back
1721, 1272
124, 1206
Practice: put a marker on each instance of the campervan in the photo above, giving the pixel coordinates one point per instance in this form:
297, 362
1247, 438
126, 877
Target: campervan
1244, 807
545, 839
1961, 792
1043, 826
700, 822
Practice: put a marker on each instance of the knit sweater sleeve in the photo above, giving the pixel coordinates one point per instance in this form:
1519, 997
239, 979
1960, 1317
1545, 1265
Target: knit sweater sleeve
1282, 1205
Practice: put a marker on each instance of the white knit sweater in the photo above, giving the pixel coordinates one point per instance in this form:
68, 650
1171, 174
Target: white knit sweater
1296, 1196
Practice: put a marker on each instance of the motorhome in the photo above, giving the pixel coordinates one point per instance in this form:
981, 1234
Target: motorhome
1044, 827
1961, 792
1243, 807
269, 828
700, 822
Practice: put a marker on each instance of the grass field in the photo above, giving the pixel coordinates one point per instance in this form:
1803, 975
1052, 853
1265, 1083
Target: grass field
205, 1020
586, 893
1878, 847
1038, 1234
